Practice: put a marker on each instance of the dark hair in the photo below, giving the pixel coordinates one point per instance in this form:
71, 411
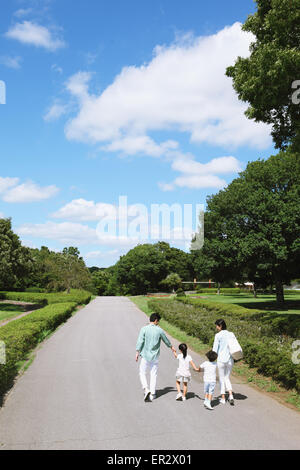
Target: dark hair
211, 356
154, 316
221, 323
183, 348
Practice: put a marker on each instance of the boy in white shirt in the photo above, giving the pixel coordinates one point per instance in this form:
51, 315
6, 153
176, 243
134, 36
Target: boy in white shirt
210, 377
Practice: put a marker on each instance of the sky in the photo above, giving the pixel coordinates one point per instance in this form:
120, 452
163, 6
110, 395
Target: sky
115, 109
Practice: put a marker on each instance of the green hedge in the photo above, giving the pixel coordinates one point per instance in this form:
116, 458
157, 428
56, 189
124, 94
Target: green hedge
79, 296
214, 290
266, 338
21, 336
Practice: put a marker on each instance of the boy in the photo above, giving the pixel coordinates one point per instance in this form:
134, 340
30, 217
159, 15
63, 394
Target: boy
210, 377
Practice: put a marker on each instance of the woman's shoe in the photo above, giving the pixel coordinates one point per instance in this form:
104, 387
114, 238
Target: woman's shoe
222, 401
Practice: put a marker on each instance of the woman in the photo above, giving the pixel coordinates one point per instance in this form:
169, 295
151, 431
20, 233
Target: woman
225, 360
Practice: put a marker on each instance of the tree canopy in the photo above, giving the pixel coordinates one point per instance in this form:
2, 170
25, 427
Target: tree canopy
265, 78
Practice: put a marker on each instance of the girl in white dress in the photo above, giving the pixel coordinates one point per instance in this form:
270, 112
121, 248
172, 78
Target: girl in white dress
183, 374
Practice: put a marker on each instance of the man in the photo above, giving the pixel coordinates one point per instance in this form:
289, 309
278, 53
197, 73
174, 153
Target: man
148, 346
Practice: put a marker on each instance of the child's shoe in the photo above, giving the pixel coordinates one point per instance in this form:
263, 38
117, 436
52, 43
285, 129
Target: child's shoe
208, 405
183, 398
179, 396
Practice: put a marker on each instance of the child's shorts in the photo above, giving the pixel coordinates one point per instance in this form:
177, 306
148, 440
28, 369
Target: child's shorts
181, 378
209, 387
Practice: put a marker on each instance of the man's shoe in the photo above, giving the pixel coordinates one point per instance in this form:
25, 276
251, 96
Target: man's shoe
146, 394
152, 397
179, 396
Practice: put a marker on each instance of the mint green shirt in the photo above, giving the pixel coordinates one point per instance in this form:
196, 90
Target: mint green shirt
148, 343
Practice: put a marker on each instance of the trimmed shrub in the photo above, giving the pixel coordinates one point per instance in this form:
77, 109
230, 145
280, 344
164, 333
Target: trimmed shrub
213, 290
21, 336
79, 296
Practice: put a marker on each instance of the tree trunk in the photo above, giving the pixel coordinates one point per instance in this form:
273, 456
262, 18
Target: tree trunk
254, 290
219, 289
279, 293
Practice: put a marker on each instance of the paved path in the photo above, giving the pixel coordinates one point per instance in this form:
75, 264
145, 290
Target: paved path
82, 392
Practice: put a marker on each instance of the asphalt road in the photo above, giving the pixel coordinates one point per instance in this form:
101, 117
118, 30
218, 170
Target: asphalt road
83, 392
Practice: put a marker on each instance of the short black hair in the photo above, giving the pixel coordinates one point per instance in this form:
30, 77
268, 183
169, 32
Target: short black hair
211, 356
221, 323
154, 316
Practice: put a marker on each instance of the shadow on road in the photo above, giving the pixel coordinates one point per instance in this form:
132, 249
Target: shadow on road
163, 391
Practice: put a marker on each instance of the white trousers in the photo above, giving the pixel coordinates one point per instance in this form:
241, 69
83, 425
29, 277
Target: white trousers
145, 367
224, 369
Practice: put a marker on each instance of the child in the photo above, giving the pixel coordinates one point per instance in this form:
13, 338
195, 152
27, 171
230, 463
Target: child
183, 372
210, 377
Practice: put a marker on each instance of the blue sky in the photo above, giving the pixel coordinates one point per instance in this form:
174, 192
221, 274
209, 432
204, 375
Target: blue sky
109, 99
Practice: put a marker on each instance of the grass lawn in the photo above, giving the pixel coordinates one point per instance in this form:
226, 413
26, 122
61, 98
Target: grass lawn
8, 311
262, 302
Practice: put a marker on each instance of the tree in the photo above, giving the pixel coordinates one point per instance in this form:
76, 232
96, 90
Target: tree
15, 259
254, 224
171, 282
265, 79
71, 270
179, 261
141, 270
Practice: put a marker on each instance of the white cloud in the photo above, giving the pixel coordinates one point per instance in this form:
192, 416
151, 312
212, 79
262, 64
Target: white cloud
196, 175
183, 88
22, 12
65, 232
34, 34
55, 112
11, 62
82, 210
101, 254
29, 192
6, 183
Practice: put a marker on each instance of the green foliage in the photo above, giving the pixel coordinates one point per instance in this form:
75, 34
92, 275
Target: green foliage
264, 79
172, 282
80, 297
180, 292
21, 336
252, 227
266, 338
223, 290
15, 260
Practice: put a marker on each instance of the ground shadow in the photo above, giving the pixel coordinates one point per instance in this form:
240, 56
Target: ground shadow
164, 391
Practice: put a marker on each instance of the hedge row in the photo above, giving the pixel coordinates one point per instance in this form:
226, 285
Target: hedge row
214, 290
264, 345
79, 296
21, 336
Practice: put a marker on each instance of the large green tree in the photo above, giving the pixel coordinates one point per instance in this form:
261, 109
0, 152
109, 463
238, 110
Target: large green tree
266, 78
254, 223
15, 260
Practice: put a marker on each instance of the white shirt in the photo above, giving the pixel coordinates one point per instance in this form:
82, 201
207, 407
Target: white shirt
210, 371
184, 365
221, 346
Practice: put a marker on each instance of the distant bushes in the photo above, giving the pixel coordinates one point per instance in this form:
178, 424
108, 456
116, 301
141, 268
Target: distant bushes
80, 297
21, 336
266, 338
213, 290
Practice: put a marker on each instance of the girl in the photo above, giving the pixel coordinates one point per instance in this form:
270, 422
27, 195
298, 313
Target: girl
183, 371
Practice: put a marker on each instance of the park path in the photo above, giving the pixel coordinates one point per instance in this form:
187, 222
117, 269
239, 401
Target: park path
82, 392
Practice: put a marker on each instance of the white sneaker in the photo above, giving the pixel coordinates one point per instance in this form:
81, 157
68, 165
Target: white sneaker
183, 398
208, 405
179, 396
146, 394
222, 401
152, 397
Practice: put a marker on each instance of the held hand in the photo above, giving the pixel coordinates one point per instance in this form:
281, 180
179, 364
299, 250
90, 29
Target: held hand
136, 356
173, 349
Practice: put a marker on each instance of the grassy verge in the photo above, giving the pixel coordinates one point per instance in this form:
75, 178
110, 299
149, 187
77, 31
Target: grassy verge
241, 370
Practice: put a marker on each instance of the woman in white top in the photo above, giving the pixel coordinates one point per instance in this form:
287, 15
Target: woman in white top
225, 361
183, 371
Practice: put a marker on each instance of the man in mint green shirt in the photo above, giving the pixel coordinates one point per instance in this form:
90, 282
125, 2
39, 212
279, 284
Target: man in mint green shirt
148, 347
